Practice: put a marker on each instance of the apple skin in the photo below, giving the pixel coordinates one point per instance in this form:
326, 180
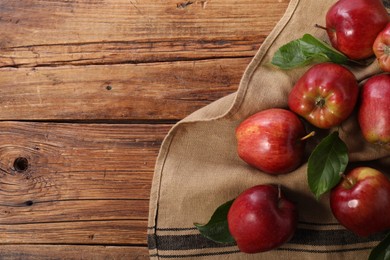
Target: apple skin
361, 201
270, 141
353, 25
261, 219
325, 95
374, 110
381, 48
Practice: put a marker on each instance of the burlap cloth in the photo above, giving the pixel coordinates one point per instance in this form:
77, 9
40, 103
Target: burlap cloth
198, 168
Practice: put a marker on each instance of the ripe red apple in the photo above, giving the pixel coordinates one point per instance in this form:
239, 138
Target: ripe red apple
382, 48
261, 219
325, 95
374, 110
270, 141
361, 201
352, 26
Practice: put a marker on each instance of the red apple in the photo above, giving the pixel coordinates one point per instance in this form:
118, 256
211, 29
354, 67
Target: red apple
374, 110
261, 219
352, 26
270, 141
325, 95
382, 48
361, 201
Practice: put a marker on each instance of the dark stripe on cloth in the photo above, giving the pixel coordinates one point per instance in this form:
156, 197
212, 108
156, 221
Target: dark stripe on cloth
197, 255
301, 237
278, 249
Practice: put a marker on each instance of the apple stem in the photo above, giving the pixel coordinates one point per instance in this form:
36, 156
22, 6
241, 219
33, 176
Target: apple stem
348, 180
311, 134
279, 191
321, 27
320, 102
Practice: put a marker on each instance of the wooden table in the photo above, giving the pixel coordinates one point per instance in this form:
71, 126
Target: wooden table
88, 90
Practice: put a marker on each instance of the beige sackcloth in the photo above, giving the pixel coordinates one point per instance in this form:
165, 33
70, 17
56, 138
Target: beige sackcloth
198, 168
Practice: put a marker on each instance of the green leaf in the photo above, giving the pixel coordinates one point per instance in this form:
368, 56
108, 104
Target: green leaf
217, 228
382, 250
304, 51
326, 163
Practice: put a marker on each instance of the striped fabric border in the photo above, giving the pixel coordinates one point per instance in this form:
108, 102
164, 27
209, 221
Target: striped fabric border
185, 242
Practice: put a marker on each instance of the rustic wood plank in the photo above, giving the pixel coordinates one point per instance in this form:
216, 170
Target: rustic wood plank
72, 252
119, 232
77, 161
121, 31
150, 91
76, 183
74, 210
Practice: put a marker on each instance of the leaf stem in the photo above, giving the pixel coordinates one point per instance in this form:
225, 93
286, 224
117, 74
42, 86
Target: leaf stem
360, 62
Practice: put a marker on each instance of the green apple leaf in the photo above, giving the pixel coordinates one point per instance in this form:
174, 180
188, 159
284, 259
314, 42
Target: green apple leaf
382, 250
326, 163
217, 228
304, 51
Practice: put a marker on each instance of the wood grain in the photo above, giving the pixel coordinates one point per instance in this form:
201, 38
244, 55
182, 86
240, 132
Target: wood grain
118, 232
152, 91
72, 252
58, 211
131, 31
77, 161
79, 180
211, 45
